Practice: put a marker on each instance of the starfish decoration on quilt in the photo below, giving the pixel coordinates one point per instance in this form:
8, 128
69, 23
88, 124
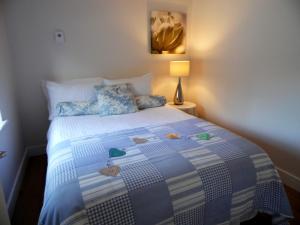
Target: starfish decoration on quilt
204, 136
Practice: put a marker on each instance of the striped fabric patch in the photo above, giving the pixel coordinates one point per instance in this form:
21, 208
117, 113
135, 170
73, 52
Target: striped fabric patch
97, 188
265, 171
242, 203
201, 158
186, 192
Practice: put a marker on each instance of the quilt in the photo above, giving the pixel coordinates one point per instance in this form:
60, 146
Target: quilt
219, 179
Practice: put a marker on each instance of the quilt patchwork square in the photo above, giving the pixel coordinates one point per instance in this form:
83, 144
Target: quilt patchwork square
216, 211
139, 175
216, 181
116, 211
154, 150
186, 192
201, 157
172, 165
57, 204
246, 146
88, 153
264, 168
268, 196
191, 217
239, 180
151, 204
117, 142
63, 172
97, 188
183, 143
227, 151
83, 150
242, 206
186, 128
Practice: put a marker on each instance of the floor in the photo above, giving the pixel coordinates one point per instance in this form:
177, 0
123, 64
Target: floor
33, 187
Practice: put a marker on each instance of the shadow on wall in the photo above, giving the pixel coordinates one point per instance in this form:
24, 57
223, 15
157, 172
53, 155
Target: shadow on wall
245, 72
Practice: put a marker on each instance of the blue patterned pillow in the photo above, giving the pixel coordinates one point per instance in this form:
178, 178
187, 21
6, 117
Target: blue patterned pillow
150, 101
78, 108
115, 100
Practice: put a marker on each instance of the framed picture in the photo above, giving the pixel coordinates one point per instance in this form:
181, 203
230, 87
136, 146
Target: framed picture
168, 32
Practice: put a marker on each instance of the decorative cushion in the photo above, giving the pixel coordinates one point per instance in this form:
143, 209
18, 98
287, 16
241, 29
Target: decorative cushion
150, 101
115, 100
77, 108
69, 91
141, 85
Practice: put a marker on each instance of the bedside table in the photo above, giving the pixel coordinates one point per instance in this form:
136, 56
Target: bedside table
188, 107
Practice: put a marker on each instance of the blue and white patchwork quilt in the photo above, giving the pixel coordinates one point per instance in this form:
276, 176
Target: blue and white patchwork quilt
190, 180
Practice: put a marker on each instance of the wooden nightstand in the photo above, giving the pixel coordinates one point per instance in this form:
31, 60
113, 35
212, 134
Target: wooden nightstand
188, 107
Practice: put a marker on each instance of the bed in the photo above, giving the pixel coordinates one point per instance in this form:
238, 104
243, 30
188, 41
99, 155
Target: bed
223, 180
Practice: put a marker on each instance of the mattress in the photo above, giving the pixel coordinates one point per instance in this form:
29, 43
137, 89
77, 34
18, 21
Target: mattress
224, 179
64, 128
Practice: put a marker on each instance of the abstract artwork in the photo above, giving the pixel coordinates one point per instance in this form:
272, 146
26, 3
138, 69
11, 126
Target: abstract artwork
168, 32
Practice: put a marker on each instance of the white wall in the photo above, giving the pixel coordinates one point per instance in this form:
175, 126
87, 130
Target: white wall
246, 71
10, 139
107, 38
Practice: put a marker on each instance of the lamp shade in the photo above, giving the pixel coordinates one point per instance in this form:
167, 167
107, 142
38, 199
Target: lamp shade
180, 68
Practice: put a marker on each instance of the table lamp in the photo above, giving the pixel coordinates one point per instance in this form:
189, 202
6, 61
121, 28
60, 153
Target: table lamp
179, 69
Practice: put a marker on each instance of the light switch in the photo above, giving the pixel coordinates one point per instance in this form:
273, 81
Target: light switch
59, 37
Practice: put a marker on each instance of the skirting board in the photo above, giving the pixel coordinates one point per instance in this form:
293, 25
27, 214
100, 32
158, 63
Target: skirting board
289, 179
29, 152
17, 184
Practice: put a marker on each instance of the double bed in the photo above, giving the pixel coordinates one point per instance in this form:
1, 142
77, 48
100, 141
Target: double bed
221, 180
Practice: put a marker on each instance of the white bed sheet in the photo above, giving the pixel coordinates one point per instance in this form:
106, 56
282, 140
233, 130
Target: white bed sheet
64, 128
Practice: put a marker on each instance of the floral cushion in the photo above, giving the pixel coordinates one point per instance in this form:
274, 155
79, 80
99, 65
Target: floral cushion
77, 108
150, 101
115, 99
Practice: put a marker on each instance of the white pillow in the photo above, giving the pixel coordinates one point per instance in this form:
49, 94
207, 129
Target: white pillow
142, 85
93, 80
69, 91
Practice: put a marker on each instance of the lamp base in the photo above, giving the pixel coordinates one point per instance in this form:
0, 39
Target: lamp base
178, 97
